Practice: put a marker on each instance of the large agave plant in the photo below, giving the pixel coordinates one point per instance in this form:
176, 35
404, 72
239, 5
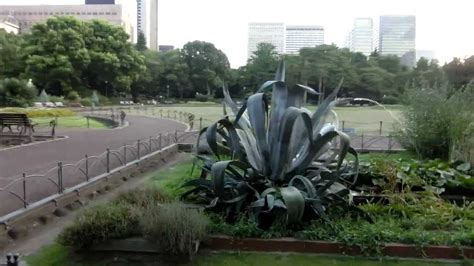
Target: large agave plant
281, 160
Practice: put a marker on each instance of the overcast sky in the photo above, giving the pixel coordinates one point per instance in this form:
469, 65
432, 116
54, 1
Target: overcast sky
444, 26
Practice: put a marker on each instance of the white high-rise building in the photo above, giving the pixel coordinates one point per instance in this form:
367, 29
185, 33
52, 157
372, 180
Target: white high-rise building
273, 33
397, 36
298, 37
154, 25
361, 37
141, 17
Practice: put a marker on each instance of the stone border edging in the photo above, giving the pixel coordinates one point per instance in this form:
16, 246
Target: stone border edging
223, 242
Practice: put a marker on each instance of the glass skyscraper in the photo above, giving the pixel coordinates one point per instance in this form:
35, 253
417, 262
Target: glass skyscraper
397, 36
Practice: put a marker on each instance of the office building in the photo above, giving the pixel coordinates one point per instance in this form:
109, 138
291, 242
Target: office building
273, 33
397, 36
141, 17
100, 2
361, 37
154, 25
298, 37
28, 15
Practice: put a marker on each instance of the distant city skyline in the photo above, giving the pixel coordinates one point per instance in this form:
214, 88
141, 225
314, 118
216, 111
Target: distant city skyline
225, 23
397, 36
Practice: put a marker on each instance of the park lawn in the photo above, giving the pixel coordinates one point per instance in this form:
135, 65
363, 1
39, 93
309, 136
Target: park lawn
58, 255
364, 119
69, 122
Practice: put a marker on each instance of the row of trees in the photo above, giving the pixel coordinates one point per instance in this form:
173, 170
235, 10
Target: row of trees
65, 55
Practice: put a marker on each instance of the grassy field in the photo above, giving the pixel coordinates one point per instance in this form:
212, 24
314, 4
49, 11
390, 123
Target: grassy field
66, 117
70, 122
363, 119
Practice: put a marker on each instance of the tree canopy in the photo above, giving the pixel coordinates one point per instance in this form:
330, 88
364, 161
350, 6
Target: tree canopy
66, 54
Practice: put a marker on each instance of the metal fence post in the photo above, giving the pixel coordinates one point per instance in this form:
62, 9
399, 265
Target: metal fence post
25, 204
149, 144
176, 136
108, 160
380, 129
159, 142
200, 124
138, 150
87, 168
124, 154
362, 142
60, 177
88, 123
343, 125
390, 142
161, 113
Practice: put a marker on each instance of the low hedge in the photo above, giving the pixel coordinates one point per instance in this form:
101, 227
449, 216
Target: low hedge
32, 113
147, 212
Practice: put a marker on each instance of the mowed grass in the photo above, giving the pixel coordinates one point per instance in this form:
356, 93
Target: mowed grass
363, 119
69, 122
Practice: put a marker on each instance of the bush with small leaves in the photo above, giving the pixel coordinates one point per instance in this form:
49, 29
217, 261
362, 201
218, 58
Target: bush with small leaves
174, 227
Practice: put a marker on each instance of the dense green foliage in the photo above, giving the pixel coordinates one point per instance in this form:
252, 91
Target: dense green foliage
409, 219
275, 164
65, 54
382, 175
438, 121
148, 212
174, 227
100, 224
15, 92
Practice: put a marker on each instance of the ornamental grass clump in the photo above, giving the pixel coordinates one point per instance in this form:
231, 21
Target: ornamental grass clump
281, 160
174, 228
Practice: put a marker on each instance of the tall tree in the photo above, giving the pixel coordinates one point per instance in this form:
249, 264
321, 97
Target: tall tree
66, 54
208, 66
56, 54
460, 73
261, 65
114, 64
141, 42
11, 63
175, 75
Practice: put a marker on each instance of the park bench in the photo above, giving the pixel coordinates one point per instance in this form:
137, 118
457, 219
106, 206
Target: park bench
21, 121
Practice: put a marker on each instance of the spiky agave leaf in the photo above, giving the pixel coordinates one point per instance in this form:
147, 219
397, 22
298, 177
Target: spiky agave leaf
284, 160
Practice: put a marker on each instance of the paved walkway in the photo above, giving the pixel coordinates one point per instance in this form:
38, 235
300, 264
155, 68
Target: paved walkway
41, 156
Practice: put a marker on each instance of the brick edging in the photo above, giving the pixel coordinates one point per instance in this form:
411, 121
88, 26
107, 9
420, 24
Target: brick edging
223, 242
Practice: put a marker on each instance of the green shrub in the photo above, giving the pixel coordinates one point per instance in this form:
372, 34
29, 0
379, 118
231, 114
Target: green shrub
201, 97
86, 102
50, 112
73, 96
436, 120
55, 99
15, 92
390, 99
143, 197
100, 224
173, 227
41, 112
